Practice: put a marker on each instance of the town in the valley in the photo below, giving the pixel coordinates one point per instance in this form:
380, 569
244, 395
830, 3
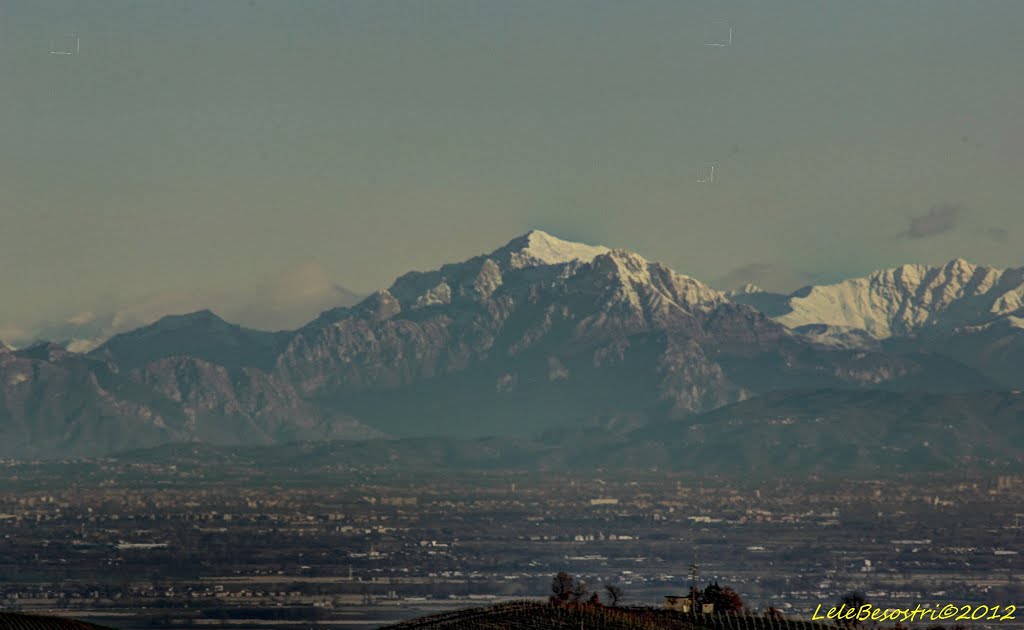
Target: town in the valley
154, 546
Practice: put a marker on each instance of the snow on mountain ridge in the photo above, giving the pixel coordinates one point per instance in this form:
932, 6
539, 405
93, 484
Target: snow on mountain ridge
746, 289
634, 293
903, 300
478, 277
537, 247
640, 285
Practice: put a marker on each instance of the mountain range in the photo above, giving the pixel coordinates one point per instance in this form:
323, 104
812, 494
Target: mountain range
543, 337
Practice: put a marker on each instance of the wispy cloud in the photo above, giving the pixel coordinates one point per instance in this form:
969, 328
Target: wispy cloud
998, 234
940, 218
13, 334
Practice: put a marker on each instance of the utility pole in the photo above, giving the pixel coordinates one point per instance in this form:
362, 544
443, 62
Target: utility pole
693, 588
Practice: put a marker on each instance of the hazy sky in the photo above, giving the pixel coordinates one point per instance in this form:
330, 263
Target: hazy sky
216, 143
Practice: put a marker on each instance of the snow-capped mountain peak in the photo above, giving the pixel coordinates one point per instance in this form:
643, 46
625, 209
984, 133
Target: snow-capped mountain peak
536, 248
905, 299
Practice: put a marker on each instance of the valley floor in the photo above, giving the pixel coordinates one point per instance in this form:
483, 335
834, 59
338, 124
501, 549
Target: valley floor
146, 551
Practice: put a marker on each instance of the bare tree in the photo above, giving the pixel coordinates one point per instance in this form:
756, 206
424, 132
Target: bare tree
773, 613
580, 592
562, 587
614, 593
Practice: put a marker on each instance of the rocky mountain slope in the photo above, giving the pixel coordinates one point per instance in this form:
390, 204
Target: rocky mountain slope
837, 431
806, 432
971, 313
503, 343
54, 403
536, 335
202, 335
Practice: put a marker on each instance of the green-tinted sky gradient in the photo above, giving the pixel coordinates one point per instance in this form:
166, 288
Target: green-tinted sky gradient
209, 143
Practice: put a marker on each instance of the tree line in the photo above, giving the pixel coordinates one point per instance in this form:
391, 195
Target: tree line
565, 589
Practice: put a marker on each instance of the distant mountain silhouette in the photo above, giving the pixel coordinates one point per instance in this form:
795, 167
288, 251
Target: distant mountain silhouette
536, 336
